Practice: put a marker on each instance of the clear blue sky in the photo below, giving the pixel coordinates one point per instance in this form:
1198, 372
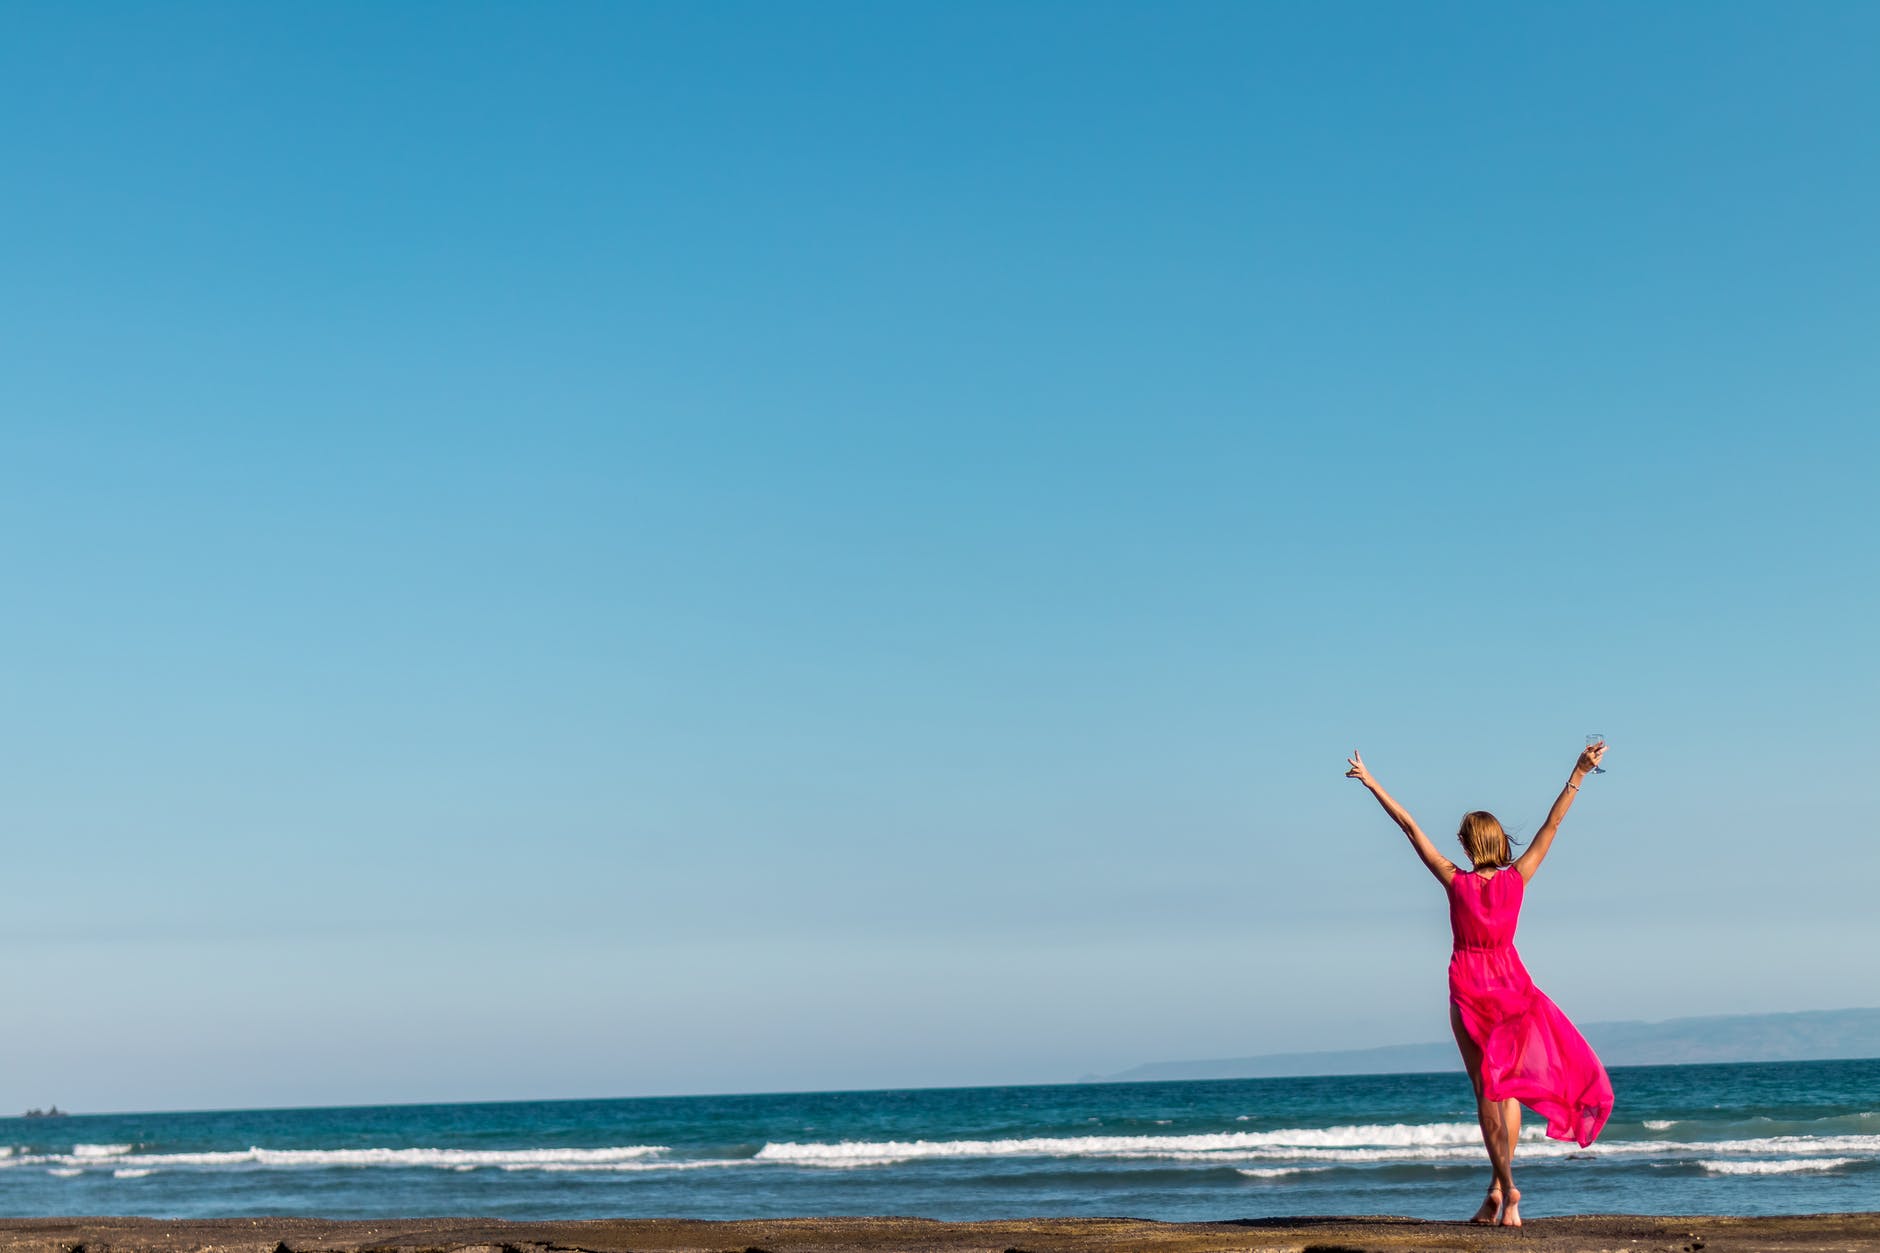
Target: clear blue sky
607, 549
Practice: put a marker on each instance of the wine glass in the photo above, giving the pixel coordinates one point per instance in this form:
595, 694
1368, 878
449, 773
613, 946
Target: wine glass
1591, 740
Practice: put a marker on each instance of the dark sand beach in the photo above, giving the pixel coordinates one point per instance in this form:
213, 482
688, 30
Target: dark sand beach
1816, 1233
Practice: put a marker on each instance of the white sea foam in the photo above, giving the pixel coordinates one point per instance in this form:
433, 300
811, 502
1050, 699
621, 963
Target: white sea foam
1262, 1154
130, 1174
447, 1159
1295, 1142
1278, 1172
1772, 1146
1786, 1166
1660, 1124
1396, 1142
101, 1150
702, 1163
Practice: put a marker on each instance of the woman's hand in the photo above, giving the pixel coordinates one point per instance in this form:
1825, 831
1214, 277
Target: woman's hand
1357, 770
1589, 760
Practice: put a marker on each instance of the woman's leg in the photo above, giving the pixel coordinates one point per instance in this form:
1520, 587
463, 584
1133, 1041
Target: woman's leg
1511, 1123
1495, 1136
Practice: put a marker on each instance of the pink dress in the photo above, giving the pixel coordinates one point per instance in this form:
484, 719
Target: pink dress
1529, 1050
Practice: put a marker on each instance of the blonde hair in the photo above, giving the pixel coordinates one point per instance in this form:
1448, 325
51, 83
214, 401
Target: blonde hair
1484, 840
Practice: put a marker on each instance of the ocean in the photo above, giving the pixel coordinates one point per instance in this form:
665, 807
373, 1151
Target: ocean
1766, 1138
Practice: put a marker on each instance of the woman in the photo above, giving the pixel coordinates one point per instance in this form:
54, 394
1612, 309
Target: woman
1518, 1047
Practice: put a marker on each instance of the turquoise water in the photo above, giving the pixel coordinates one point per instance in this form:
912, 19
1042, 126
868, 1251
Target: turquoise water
1746, 1139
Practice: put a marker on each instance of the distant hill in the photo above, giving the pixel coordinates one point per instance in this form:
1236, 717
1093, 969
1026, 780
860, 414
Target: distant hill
1809, 1036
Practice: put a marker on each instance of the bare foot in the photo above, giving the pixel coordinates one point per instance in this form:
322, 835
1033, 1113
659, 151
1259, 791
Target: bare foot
1491, 1207
1511, 1212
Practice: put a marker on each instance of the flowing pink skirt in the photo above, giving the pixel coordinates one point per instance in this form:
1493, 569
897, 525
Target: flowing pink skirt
1530, 1051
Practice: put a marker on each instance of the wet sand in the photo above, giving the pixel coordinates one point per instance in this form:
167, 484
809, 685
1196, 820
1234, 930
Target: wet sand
1816, 1233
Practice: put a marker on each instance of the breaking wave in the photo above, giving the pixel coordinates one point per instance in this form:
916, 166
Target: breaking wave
1786, 1166
1352, 1145
101, 1150
1257, 1154
1278, 1172
121, 1156
1393, 1137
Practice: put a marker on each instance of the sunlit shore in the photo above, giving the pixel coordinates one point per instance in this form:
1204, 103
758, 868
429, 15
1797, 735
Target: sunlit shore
1815, 1233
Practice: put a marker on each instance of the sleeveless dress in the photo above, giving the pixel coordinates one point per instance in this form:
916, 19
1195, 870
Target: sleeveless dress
1529, 1050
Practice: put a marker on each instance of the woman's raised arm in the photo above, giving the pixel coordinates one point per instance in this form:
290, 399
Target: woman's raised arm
1439, 865
1530, 861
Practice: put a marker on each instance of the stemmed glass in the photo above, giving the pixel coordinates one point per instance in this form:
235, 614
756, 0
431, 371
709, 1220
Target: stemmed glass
1591, 740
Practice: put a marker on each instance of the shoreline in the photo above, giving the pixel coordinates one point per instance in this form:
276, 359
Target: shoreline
1802, 1233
